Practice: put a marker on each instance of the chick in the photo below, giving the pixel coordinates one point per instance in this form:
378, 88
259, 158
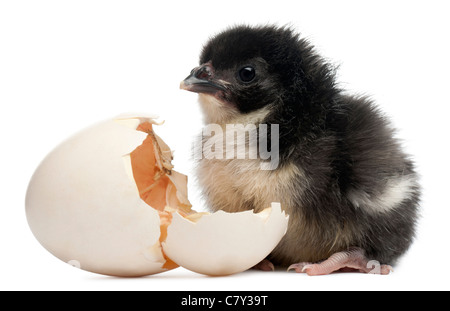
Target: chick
351, 193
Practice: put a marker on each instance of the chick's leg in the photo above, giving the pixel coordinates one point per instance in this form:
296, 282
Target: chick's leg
351, 260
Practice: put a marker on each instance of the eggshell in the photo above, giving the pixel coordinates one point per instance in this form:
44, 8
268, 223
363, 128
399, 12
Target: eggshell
224, 243
86, 205
83, 205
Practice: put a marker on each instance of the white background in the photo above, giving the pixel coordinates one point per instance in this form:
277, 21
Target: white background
65, 65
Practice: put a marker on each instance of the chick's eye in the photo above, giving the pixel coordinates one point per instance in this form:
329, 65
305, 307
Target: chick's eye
247, 74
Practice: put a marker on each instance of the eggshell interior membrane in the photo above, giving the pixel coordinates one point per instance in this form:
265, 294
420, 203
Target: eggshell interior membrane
224, 243
83, 204
159, 185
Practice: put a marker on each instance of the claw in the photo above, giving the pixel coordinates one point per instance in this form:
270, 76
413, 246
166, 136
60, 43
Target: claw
294, 266
299, 267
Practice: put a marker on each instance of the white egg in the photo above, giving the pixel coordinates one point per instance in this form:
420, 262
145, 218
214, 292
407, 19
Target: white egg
224, 243
83, 206
105, 198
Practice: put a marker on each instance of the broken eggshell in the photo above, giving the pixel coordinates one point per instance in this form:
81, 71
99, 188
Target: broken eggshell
224, 243
88, 205
83, 206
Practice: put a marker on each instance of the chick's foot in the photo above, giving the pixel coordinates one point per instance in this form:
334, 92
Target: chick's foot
351, 260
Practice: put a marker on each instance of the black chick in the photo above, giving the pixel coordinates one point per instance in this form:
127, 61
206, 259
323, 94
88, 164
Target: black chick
350, 190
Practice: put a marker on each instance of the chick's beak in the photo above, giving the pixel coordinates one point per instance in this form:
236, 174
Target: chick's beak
201, 80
